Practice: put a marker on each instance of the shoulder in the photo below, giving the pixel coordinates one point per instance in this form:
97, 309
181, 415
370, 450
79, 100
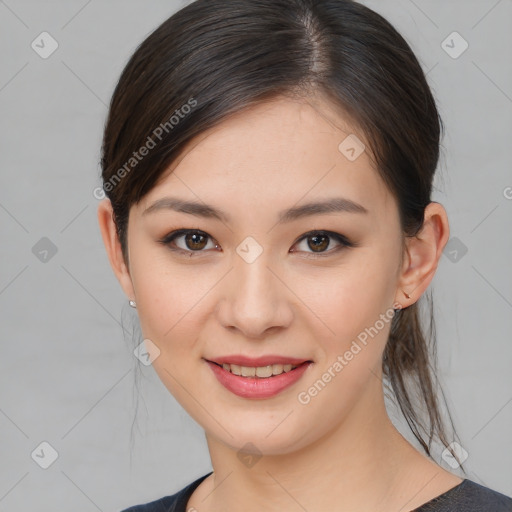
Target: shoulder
468, 496
174, 503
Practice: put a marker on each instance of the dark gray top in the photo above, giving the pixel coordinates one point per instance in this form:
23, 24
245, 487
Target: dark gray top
468, 496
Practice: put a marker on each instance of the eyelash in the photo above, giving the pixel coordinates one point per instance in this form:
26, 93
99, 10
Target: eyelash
342, 240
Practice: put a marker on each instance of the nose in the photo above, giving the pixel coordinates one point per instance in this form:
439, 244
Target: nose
256, 300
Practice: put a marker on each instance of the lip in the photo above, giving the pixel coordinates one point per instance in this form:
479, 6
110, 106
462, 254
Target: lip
258, 387
257, 361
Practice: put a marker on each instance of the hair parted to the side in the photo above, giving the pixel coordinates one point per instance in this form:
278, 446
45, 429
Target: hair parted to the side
220, 57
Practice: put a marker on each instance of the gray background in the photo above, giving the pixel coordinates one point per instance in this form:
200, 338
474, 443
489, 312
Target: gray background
67, 372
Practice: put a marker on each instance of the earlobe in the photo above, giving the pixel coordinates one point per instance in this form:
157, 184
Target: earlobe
113, 246
422, 254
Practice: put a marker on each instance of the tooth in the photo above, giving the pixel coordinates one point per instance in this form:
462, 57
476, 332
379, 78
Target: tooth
277, 369
248, 371
264, 371
260, 371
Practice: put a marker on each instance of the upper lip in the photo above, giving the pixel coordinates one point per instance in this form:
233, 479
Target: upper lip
257, 361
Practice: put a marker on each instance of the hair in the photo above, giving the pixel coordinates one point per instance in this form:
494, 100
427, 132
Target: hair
214, 58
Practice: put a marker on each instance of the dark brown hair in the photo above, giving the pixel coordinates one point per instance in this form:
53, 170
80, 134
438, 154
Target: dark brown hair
214, 58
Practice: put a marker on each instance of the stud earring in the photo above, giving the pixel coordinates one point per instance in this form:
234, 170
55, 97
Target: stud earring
407, 296
132, 303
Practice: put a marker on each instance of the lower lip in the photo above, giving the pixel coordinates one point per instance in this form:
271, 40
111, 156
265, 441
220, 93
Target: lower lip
257, 387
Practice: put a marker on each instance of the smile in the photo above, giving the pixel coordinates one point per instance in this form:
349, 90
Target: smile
258, 381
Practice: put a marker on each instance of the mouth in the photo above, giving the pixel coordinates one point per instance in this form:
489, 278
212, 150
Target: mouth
258, 378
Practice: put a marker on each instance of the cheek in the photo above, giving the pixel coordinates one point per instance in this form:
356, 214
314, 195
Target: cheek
346, 300
170, 296
356, 304
172, 314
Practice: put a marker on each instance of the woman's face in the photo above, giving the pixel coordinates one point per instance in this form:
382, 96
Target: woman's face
256, 282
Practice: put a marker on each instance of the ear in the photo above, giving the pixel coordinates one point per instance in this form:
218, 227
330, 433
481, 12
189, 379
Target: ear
422, 254
113, 247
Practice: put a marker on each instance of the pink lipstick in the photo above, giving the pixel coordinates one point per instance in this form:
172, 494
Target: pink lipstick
261, 377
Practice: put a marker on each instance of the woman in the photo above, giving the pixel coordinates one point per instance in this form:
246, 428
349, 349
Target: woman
268, 166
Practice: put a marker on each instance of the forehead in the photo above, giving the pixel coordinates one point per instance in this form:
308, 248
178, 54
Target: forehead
273, 155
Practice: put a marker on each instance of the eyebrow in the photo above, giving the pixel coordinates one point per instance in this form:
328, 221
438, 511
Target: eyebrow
334, 205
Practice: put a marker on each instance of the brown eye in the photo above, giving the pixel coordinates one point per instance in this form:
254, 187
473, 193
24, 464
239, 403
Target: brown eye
319, 241
188, 241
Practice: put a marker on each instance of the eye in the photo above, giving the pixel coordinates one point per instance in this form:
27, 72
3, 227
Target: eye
192, 240
320, 241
